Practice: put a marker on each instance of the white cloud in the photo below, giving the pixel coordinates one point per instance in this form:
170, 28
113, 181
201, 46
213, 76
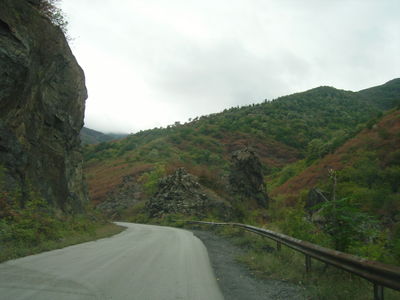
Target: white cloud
150, 63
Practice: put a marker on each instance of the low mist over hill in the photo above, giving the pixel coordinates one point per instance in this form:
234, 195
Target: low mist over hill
90, 136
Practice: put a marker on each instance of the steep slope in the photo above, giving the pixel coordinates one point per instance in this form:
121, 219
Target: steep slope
42, 102
280, 132
367, 167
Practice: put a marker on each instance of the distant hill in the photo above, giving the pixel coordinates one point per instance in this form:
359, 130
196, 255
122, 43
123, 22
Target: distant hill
90, 136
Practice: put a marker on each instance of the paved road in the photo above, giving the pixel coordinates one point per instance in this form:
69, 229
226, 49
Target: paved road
143, 262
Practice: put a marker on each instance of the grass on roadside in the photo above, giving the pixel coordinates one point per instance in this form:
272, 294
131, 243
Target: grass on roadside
323, 282
13, 250
31, 225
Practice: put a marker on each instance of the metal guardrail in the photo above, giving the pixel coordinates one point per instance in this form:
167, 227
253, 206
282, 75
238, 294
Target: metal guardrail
381, 275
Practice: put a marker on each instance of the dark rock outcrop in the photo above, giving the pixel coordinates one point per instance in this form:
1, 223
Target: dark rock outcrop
246, 177
178, 193
314, 198
124, 196
42, 101
313, 207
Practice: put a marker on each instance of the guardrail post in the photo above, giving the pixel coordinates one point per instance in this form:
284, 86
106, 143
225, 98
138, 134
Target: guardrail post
278, 246
378, 292
308, 263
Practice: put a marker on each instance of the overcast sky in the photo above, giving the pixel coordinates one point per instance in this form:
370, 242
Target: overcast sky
149, 63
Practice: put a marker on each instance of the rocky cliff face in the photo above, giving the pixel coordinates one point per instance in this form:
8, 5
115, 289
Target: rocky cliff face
246, 177
42, 99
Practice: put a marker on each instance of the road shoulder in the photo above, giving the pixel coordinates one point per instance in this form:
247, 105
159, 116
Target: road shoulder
235, 280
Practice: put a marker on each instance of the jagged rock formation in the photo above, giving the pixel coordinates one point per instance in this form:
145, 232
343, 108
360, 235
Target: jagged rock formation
246, 177
125, 195
42, 101
178, 193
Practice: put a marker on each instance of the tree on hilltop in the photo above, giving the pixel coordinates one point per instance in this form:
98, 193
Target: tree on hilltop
49, 9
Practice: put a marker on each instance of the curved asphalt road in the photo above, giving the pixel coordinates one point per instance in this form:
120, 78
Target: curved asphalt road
143, 262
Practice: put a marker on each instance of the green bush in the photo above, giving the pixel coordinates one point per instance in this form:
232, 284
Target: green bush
150, 179
347, 224
296, 224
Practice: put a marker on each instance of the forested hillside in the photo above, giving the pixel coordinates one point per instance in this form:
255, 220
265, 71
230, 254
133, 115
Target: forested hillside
305, 125
353, 192
369, 160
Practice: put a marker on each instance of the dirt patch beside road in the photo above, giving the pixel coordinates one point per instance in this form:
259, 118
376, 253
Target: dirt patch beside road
236, 281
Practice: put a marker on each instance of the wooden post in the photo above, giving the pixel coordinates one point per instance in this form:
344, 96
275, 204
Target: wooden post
278, 246
378, 292
308, 263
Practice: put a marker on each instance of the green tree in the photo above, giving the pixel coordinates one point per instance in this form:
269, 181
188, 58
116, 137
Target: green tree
316, 149
391, 175
150, 180
346, 223
49, 9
